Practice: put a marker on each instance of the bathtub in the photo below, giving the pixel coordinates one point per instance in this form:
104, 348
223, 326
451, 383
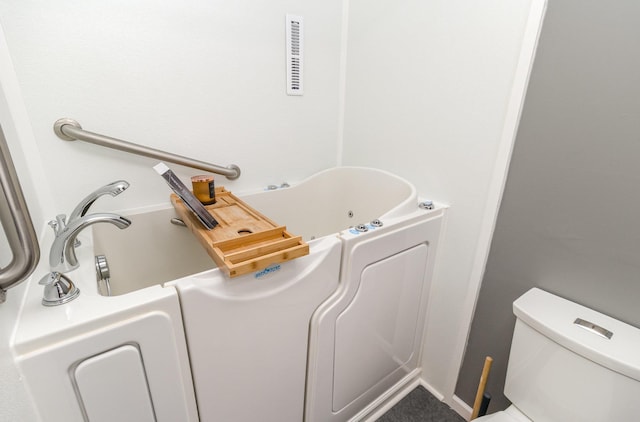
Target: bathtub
329, 336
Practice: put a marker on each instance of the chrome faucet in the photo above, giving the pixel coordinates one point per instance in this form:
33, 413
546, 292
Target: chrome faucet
58, 288
62, 257
113, 189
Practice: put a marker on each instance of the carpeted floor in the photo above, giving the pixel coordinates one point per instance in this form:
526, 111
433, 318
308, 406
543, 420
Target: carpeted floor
420, 406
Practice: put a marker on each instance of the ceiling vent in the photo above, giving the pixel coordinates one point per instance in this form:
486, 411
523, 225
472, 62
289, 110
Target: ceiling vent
295, 55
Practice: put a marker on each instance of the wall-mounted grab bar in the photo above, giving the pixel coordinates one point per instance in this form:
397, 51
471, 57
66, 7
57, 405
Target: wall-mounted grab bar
70, 130
17, 225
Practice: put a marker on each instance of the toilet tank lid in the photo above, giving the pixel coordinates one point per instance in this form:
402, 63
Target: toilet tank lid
554, 317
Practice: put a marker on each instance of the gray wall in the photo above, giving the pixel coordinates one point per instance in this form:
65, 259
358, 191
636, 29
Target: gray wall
569, 222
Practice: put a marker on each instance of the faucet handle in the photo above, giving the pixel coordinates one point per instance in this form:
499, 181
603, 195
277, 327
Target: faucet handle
58, 224
58, 289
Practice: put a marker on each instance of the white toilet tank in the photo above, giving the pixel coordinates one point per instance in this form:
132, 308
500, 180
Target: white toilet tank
561, 371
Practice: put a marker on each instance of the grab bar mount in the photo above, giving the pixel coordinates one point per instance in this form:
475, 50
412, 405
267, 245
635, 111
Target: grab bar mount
70, 130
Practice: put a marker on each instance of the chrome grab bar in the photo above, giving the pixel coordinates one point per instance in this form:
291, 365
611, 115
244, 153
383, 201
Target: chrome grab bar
70, 130
17, 225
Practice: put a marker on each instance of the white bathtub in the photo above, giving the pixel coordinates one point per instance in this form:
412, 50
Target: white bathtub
310, 325
152, 251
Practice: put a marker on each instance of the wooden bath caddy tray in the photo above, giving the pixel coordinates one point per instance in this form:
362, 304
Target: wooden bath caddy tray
244, 240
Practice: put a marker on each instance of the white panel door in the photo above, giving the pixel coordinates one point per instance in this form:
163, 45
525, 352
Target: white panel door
375, 334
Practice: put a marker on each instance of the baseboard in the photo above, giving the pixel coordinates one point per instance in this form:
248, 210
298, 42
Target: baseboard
390, 399
397, 393
456, 404
437, 394
461, 408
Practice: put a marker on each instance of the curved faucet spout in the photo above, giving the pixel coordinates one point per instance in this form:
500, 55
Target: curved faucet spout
112, 189
62, 257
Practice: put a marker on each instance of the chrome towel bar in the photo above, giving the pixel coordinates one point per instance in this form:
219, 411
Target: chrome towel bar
70, 130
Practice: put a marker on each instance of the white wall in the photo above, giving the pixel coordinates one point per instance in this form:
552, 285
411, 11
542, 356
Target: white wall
427, 89
200, 79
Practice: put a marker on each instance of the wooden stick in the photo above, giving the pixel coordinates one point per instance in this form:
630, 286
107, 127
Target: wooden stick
481, 386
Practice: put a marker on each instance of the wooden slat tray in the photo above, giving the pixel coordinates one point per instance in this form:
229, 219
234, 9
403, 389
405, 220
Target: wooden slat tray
244, 240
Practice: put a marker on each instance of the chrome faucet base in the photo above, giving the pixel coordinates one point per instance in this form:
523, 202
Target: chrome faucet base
58, 289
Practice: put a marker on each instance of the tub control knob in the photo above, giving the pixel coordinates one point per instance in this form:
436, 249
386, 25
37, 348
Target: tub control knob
362, 228
58, 289
426, 205
376, 223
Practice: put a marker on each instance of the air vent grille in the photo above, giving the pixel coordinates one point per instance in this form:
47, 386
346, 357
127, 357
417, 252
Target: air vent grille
295, 50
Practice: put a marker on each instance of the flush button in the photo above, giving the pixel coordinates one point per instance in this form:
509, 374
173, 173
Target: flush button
595, 329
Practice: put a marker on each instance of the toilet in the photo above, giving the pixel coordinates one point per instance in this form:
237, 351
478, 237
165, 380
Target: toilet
570, 363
